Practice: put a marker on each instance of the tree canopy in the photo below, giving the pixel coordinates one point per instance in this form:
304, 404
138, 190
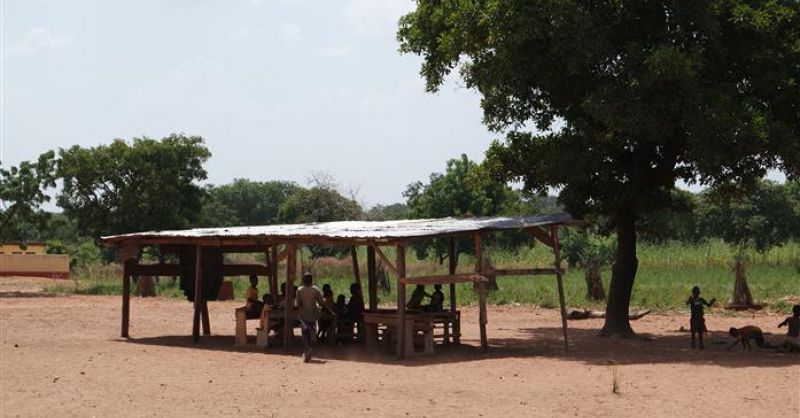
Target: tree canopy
247, 202
22, 192
626, 97
144, 185
458, 192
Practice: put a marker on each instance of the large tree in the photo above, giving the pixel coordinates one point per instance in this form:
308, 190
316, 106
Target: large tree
458, 192
626, 97
127, 187
22, 192
252, 202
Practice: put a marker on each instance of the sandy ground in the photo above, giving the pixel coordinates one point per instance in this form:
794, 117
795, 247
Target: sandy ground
61, 356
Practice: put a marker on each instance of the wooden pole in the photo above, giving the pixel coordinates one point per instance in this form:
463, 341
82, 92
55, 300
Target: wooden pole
273, 283
291, 270
401, 302
126, 299
372, 278
204, 317
198, 294
452, 257
560, 280
356, 272
273, 278
481, 290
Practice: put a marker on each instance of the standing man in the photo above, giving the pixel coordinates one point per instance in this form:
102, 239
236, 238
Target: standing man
309, 302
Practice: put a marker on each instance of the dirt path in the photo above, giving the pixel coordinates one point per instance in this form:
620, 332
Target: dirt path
61, 356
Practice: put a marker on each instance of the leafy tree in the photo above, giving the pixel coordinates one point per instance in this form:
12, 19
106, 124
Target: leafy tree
764, 218
627, 97
459, 192
591, 252
320, 204
22, 192
146, 185
391, 212
254, 202
675, 221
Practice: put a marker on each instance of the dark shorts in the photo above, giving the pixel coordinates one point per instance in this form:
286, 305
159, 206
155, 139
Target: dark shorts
698, 325
308, 326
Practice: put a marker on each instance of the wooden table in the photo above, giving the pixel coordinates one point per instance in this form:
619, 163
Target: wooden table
414, 322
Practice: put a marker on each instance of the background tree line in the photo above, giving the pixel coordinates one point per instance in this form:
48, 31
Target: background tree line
149, 184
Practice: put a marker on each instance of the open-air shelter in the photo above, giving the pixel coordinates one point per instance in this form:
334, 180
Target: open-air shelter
201, 267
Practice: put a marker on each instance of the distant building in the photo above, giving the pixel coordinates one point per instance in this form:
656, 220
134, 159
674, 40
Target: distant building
31, 260
27, 248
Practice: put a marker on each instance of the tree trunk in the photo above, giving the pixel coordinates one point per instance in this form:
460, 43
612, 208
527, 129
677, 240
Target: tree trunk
594, 283
741, 292
622, 276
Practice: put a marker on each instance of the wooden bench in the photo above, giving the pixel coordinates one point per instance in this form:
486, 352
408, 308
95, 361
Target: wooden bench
416, 323
449, 322
271, 319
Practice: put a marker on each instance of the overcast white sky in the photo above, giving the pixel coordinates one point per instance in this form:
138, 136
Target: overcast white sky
278, 88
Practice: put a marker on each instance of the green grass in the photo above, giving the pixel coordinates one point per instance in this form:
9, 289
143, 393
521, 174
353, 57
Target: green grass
665, 276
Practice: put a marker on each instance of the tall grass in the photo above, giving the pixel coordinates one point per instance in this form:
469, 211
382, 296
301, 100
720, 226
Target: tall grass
664, 279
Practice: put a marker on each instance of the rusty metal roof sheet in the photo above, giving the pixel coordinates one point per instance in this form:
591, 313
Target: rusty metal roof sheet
355, 230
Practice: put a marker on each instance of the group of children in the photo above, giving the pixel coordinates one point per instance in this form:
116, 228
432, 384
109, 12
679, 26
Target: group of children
743, 335
336, 317
436, 303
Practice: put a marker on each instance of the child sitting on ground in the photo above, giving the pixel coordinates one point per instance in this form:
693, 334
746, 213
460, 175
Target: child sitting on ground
792, 341
697, 323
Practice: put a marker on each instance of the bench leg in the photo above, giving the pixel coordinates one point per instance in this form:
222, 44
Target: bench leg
372, 336
457, 331
409, 347
241, 327
429, 340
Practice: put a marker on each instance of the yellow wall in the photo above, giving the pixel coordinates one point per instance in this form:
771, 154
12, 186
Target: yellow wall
46, 265
15, 248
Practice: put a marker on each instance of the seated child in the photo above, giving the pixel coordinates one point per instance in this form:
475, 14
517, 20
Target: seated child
437, 300
747, 333
344, 323
792, 341
415, 301
327, 320
267, 300
253, 305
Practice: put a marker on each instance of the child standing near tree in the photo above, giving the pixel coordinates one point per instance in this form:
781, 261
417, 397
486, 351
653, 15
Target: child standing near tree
697, 323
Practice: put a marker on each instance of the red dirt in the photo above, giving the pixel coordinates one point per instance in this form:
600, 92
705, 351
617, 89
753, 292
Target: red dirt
61, 356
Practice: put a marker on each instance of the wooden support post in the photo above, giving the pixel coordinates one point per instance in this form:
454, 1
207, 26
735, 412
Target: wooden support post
206, 323
291, 271
560, 280
273, 278
356, 273
401, 302
126, 299
273, 282
372, 278
452, 257
481, 290
198, 293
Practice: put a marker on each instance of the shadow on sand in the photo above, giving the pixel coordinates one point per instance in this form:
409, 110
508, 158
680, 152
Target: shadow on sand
585, 346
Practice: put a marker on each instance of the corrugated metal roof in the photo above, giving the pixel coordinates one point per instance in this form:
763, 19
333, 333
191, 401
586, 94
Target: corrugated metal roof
415, 228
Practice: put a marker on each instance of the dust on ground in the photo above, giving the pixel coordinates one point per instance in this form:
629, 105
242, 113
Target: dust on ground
63, 356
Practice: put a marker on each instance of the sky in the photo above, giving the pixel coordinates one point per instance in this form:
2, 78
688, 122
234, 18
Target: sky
279, 89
